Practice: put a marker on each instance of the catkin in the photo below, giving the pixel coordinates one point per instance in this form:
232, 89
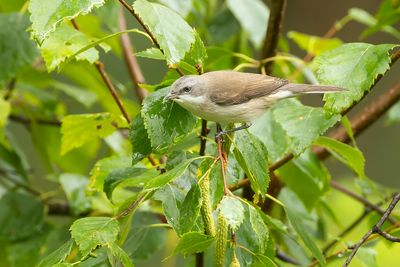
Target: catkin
235, 261
206, 210
220, 239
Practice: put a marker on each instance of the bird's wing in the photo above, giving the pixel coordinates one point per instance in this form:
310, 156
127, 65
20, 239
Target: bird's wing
247, 86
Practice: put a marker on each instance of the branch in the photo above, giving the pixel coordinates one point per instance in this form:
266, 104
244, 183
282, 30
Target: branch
29, 121
363, 119
376, 229
361, 199
100, 67
273, 30
134, 69
10, 88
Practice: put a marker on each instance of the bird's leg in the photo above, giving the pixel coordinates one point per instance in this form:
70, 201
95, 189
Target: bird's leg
222, 158
223, 132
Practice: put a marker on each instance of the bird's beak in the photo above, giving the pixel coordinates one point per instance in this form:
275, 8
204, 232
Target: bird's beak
170, 96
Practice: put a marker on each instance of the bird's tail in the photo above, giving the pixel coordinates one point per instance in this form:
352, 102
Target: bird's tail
310, 88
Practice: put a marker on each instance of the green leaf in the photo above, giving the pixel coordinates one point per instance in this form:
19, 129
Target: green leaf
252, 156
5, 109
193, 243
351, 156
367, 256
103, 168
190, 209
141, 146
394, 114
167, 177
74, 187
17, 50
80, 94
64, 43
152, 53
353, 66
58, 255
198, 52
172, 33
91, 232
182, 7
314, 45
21, 216
120, 255
166, 123
297, 215
11, 6
143, 240
78, 130
263, 261
252, 16
302, 124
128, 176
233, 211
307, 177
46, 15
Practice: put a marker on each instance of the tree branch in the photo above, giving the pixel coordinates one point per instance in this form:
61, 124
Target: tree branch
29, 121
10, 88
273, 30
375, 230
135, 71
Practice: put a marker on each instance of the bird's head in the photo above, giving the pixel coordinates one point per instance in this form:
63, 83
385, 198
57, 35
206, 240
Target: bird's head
188, 89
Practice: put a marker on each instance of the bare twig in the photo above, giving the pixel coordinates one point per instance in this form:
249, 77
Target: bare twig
285, 258
10, 88
375, 230
132, 206
135, 71
17, 183
29, 121
273, 30
360, 199
100, 67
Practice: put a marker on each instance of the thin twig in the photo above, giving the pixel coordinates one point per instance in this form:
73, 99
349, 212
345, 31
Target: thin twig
285, 258
100, 67
17, 183
273, 30
360, 199
132, 206
25, 120
135, 71
373, 230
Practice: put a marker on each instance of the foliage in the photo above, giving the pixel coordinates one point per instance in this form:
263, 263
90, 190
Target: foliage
129, 175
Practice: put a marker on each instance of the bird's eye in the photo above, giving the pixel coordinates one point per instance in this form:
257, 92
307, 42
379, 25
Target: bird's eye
186, 89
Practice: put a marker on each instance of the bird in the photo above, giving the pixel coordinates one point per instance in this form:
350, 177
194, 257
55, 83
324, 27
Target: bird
227, 96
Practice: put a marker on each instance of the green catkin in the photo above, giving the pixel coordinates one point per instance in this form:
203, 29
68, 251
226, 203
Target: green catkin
235, 262
220, 239
206, 210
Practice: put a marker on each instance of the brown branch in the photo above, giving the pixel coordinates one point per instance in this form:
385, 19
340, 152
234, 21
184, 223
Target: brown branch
29, 121
273, 30
135, 71
363, 119
376, 229
100, 67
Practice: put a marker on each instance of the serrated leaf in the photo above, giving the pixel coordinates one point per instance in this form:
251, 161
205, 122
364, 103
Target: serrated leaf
233, 211
166, 122
58, 255
313, 175
152, 53
296, 213
314, 45
252, 16
263, 261
78, 130
302, 124
193, 243
120, 255
172, 33
46, 15
64, 43
141, 146
74, 187
91, 232
182, 7
167, 177
351, 156
198, 52
252, 156
190, 209
353, 66
5, 109
17, 51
